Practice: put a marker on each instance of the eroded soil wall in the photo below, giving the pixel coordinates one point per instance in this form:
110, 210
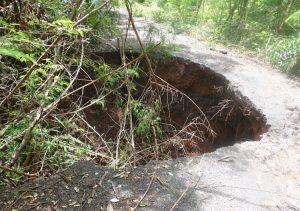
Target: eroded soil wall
232, 116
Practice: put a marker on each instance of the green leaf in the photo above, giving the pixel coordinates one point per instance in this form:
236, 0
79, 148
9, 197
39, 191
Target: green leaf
133, 73
294, 18
19, 55
64, 22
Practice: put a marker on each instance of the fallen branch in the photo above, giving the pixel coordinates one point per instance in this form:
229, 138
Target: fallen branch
17, 172
182, 195
148, 188
27, 136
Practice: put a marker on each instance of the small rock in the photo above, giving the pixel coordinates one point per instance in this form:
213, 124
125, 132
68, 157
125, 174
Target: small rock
76, 189
114, 200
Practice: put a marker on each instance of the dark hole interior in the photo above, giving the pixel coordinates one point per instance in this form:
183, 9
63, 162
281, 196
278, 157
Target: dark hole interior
232, 116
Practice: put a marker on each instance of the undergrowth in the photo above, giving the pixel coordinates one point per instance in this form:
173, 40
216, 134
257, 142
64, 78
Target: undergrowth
268, 29
49, 80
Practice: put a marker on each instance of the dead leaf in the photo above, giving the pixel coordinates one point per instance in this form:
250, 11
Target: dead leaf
109, 207
123, 174
54, 202
93, 193
142, 204
73, 203
225, 158
76, 189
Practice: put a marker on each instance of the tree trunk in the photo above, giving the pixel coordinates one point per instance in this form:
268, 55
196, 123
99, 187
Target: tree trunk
285, 15
231, 10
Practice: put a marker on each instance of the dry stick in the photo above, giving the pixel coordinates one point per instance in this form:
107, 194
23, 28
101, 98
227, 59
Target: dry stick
44, 54
102, 179
129, 10
181, 196
122, 128
208, 127
148, 188
27, 136
128, 107
155, 142
51, 106
17, 172
78, 4
95, 131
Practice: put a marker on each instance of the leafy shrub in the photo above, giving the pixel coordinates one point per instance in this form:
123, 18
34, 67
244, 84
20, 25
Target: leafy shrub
282, 52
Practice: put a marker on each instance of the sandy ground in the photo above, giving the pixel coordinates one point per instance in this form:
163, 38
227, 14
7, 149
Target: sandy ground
261, 175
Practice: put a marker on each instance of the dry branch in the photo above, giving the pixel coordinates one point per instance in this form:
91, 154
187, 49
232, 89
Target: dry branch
27, 137
144, 195
182, 195
17, 172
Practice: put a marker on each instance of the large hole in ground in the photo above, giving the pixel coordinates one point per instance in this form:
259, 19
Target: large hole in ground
232, 117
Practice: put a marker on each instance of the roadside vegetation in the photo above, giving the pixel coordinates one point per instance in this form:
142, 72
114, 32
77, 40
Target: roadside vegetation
269, 29
43, 46
54, 89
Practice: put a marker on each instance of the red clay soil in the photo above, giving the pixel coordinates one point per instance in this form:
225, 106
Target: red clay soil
232, 117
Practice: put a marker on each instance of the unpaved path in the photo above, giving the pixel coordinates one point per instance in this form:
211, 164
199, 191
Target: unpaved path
254, 175
261, 175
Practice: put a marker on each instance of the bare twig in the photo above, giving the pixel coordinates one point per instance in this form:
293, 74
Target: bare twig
17, 172
51, 106
27, 136
148, 188
181, 196
102, 179
129, 10
104, 142
205, 119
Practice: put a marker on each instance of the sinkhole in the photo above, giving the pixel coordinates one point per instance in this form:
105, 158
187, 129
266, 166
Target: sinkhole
199, 110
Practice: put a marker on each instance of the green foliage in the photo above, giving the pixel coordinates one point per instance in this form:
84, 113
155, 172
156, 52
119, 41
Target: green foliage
56, 141
240, 23
283, 53
54, 149
294, 20
147, 118
16, 54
